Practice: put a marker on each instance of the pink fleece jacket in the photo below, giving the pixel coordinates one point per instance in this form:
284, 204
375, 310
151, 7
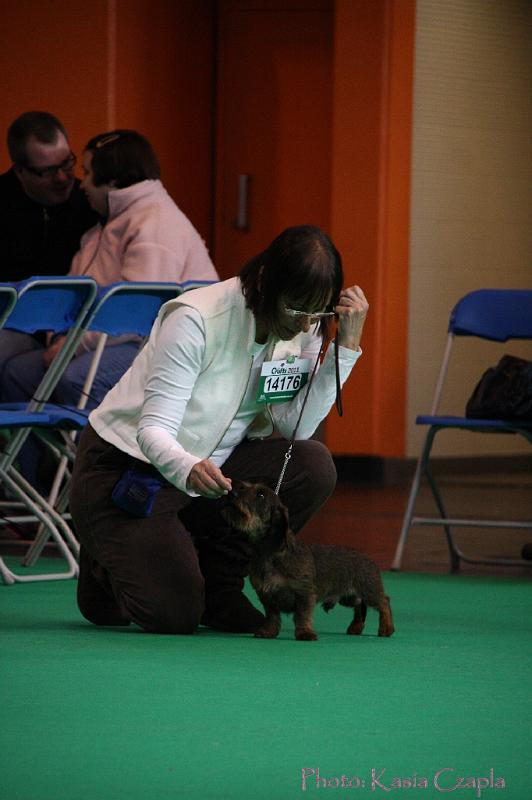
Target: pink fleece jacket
146, 237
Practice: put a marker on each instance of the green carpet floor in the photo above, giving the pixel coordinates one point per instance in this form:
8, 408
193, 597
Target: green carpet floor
94, 714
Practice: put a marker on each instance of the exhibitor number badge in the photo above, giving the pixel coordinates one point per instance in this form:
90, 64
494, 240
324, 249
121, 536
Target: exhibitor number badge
281, 380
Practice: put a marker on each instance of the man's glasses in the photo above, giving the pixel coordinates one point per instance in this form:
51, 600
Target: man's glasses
50, 172
314, 316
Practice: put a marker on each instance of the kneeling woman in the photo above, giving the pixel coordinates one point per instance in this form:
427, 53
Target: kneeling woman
189, 417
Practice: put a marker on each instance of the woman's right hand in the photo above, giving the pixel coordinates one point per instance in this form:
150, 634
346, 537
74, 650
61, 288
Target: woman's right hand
207, 480
52, 350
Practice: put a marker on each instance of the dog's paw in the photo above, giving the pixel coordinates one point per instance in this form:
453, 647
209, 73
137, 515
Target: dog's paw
265, 633
305, 635
386, 630
355, 629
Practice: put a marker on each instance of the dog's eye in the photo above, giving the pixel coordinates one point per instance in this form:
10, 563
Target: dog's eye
261, 495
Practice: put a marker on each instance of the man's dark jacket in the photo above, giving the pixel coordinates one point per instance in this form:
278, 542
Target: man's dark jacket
36, 239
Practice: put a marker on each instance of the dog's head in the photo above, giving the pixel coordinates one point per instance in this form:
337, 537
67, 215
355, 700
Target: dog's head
254, 509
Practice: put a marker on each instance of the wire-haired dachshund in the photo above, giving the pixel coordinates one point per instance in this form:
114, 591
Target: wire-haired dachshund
290, 576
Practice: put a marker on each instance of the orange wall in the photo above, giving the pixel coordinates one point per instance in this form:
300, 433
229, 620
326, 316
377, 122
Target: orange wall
164, 80
53, 58
273, 121
150, 64
370, 212
144, 64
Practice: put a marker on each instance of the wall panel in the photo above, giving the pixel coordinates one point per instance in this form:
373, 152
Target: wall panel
370, 212
53, 57
471, 189
129, 63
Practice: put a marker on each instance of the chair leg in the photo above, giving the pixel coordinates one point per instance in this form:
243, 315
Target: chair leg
407, 519
49, 519
43, 534
422, 468
454, 553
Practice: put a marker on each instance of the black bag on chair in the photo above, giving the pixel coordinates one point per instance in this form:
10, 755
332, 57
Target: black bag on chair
503, 392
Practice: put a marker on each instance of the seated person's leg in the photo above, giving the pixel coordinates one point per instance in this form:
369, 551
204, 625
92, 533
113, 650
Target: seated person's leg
116, 359
12, 344
21, 376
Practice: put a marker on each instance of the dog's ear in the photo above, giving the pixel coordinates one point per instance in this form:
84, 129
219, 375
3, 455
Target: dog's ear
283, 534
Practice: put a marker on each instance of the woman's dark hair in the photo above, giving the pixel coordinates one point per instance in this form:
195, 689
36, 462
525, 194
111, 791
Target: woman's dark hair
123, 157
302, 265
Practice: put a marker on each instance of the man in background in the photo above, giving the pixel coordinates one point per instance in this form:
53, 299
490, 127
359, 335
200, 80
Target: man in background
43, 212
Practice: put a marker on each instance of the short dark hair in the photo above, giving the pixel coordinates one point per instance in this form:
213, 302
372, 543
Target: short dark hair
302, 264
123, 157
39, 124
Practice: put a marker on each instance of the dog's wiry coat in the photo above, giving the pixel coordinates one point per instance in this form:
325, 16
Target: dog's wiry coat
290, 576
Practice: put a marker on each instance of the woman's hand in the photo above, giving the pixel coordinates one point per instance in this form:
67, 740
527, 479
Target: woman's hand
52, 350
352, 309
207, 480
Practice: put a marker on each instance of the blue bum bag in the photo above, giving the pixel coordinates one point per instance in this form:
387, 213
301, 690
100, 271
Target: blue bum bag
136, 490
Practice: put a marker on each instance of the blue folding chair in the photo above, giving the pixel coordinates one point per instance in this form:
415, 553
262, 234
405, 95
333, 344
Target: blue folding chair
496, 315
59, 305
123, 308
126, 307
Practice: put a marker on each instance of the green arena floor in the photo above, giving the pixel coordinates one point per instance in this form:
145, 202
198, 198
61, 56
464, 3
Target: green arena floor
117, 714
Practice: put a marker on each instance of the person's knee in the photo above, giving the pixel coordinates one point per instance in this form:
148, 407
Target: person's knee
94, 595
103, 614
316, 461
174, 610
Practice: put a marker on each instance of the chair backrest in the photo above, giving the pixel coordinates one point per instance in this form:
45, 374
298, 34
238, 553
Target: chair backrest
130, 306
127, 307
495, 314
8, 298
57, 304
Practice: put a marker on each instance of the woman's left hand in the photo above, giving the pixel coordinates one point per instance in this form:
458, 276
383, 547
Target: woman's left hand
352, 309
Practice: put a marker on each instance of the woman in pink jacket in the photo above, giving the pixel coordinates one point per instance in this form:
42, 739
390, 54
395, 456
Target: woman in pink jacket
142, 236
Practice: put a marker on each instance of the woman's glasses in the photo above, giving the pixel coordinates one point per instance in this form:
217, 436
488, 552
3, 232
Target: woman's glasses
313, 316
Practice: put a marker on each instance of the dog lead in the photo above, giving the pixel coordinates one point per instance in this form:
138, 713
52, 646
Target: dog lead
288, 454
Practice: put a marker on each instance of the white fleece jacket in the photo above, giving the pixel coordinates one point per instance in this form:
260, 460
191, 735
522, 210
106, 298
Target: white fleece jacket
180, 400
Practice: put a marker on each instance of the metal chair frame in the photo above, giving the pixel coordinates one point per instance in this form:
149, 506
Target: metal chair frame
57, 304
496, 315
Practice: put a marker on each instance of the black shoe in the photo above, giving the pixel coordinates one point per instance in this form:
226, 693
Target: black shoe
231, 612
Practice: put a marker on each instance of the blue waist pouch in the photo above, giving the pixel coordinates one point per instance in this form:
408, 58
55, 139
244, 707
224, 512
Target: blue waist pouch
136, 490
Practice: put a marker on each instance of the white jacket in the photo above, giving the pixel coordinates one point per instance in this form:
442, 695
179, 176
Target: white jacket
142, 403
